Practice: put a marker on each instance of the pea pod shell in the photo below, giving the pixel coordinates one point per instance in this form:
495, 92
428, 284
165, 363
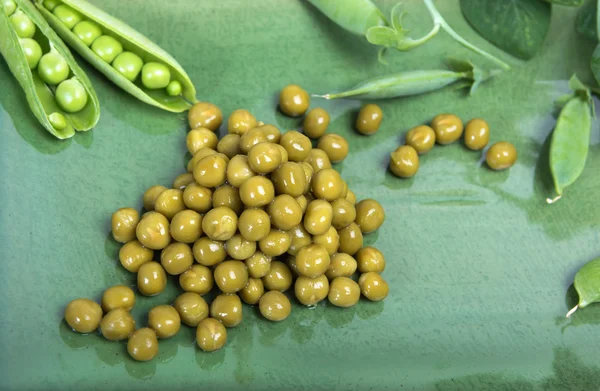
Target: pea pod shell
132, 41
570, 142
356, 16
401, 84
587, 283
40, 98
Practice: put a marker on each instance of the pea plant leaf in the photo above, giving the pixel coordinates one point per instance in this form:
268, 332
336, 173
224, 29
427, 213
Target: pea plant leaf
597, 19
595, 64
395, 36
518, 27
572, 3
586, 20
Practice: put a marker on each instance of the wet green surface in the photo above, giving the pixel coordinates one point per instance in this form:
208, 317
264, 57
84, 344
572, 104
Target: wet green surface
479, 266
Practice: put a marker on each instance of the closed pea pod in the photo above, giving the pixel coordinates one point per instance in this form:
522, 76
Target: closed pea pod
571, 138
21, 58
413, 82
134, 44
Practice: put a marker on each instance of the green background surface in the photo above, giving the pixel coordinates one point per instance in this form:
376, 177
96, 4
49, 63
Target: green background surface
478, 264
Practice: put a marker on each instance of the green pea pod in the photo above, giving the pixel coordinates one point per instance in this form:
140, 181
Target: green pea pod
571, 138
362, 17
587, 285
40, 97
132, 41
413, 82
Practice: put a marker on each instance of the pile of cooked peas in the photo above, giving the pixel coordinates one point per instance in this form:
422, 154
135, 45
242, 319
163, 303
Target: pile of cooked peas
154, 75
259, 212
446, 129
51, 67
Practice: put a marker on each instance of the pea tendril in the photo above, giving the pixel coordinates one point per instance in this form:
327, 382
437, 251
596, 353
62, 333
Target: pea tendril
439, 20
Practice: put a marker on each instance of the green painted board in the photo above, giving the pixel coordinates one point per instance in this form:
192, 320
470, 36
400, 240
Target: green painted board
479, 265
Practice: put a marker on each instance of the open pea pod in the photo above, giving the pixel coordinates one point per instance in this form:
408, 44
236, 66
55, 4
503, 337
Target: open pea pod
132, 41
39, 95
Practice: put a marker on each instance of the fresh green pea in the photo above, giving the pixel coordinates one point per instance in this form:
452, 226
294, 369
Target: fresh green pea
104, 54
174, 88
107, 48
587, 285
32, 50
87, 31
58, 121
51, 4
412, 83
571, 138
129, 65
155, 75
23, 25
53, 68
71, 95
67, 15
9, 7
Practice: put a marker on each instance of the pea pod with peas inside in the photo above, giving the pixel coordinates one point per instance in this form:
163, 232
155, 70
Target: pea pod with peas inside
122, 54
57, 90
571, 137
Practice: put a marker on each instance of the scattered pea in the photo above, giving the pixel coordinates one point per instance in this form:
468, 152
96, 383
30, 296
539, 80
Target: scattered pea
369, 119
300, 211
316, 123
421, 138
404, 161
447, 127
335, 146
477, 134
293, 100
501, 156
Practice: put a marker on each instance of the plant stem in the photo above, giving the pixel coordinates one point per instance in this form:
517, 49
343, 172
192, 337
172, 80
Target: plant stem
425, 38
438, 19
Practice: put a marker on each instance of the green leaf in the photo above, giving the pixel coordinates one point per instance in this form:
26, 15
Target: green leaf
595, 63
382, 36
571, 137
586, 20
518, 27
587, 283
598, 19
571, 3
397, 15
